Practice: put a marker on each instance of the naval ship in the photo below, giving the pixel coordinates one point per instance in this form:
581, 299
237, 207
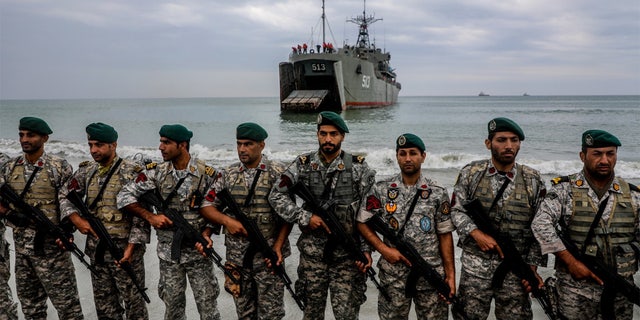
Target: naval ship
328, 79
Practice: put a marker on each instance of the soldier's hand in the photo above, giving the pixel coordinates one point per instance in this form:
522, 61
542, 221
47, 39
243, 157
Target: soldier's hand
576, 268
83, 225
160, 221
316, 222
451, 281
3, 209
235, 227
486, 243
127, 254
278, 252
201, 248
364, 266
61, 244
393, 256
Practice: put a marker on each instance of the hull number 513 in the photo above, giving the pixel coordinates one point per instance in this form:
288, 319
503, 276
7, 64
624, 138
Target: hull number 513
318, 67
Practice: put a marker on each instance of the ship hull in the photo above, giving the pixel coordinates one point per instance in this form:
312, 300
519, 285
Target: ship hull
334, 81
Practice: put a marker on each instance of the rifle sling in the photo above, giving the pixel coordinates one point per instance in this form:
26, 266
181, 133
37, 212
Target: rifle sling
94, 203
414, 201
252, 190
29, 182
594, 224
178, 235
247, 261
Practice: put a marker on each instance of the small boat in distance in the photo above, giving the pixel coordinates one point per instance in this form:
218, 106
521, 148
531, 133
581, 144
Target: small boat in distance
482, 94
319, 77
525, 94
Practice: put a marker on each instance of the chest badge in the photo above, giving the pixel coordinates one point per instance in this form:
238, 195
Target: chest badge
425, 224
392, 194
391, 207
579, 183
393, 222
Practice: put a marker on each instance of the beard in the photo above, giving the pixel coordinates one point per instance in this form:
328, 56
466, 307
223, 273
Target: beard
330, 148
600, 172
505, 158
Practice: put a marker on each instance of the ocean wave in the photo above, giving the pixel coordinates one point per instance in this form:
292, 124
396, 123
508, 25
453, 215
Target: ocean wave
382, 160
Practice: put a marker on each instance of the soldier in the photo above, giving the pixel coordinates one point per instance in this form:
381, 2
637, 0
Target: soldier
8, 308
330, 173
101, 181
181, 181
42, 269
511, 211
419, 211
259, 295
573, 203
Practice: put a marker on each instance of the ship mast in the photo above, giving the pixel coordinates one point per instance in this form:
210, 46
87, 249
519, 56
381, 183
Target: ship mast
323, 18
363, 22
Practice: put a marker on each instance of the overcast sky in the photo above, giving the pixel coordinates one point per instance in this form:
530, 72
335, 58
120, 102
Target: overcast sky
231, 48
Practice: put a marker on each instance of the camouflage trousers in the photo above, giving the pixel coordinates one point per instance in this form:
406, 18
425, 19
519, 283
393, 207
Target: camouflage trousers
347, 285
261, 295
52, 276
8, 309
173, 284
114, 293
581, 300
511, 301
428, 304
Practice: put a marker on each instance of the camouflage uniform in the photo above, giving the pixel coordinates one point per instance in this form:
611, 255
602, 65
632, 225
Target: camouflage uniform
391, 199
316, 273
8, 309
260, 293
573, 200
199, 270
512, 215
112, 287
50, 273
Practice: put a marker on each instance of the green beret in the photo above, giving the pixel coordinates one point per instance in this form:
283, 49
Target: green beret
599, 139
332, 118
409, 140
251, 131
176, 132
101, 132
504, 124
34, 124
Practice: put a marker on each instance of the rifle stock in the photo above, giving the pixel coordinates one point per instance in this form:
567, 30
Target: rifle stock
43, 224
257, 239
105, 240
338, 234
152, 199
418, 264
513, 260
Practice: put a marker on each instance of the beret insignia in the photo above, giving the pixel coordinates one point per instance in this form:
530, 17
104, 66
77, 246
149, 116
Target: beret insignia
373, 203
588, 140
492, 125
402, 140
210, 171
151, 165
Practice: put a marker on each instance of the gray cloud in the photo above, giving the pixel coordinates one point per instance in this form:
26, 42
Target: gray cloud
94, 49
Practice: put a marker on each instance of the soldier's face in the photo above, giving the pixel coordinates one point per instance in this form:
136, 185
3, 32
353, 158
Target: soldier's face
504, 147
31, 142
330, 139
600, 162
249, 152
410, 160
102, 152
169, 149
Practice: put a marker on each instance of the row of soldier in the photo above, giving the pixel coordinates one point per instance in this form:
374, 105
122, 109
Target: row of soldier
411, 205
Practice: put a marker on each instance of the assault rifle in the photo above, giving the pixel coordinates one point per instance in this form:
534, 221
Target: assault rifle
513, 260
338, 234
613, 282
183, 226
258, 242
105, 241
419, 266
43, 224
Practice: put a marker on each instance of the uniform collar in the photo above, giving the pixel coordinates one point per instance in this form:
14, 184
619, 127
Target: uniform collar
581, 182
192, 167
421, 184
22, 160
491, 171
262, 166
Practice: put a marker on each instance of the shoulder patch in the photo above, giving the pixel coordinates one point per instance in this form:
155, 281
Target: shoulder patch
358, 159
210, 171
151, 165
304, 159
84, 163
633, 187
557, 180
